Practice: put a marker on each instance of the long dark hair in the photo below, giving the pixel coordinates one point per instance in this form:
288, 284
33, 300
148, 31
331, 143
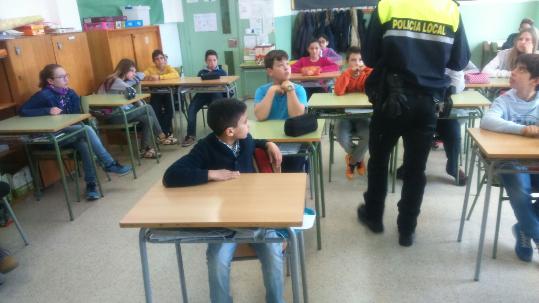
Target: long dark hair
123, 67
47, 73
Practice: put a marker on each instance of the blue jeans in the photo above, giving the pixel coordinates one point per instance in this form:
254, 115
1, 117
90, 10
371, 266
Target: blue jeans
196, 104
140, 115
219, 256
519, 188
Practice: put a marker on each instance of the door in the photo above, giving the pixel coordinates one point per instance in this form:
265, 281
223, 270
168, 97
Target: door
145, 41
26, 58
121, 46
72, 52
195, 43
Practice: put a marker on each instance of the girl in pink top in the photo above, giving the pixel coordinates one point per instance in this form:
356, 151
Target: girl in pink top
305, 66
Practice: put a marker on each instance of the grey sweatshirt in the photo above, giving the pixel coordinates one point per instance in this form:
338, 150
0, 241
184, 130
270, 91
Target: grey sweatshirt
510, 114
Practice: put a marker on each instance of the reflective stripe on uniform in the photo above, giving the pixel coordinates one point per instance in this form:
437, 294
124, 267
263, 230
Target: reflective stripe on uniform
416, 35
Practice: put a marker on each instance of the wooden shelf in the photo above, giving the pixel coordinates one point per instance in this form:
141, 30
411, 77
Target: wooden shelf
3, 53
6, 105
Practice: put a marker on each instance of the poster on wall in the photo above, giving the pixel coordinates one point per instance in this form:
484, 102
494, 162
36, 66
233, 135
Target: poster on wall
172, 11
205, 22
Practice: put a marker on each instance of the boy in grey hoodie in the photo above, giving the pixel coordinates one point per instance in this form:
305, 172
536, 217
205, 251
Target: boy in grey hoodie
517, 112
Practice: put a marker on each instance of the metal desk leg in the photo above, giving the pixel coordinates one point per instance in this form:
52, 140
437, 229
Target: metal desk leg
181, 272
174, 122
144, 264
180, 130
321, 177
467, 194
316, 196
131, 153
17, 224
294, 264
490, 169
62, 174
301, 248
34, 172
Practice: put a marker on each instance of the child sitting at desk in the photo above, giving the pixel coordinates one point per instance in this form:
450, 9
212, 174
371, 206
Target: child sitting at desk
125, 75
56, 98
220, 156
202, 99
517, 112
161, 103
505, 60
353, 80
280, 99
312, 65
326, 51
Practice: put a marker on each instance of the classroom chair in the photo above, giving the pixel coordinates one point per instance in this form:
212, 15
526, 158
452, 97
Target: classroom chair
4, 191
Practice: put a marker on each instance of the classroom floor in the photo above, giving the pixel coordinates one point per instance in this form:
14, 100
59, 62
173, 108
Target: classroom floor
93, 260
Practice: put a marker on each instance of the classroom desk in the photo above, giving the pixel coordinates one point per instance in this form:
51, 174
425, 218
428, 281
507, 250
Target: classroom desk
49, 126
233, 203
491, 89
297, 77
119, 100
273, 130
493, 150
189, 85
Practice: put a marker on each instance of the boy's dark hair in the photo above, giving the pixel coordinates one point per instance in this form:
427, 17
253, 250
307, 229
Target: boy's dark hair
209, 53
352, 50
156, 53
531, 62
225, 113
527, 21
323, 36
274, 55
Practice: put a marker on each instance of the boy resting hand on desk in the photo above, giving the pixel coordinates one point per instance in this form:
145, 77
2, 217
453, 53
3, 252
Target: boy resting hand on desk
220, 156
517, 112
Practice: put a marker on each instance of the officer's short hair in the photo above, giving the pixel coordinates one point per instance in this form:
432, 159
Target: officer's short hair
352, 50
225, 113
274, 55
531, 62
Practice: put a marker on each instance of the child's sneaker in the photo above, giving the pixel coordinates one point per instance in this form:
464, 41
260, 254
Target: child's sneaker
92, 193
361, 168
523, 246
349, 172
7, 262
118, 169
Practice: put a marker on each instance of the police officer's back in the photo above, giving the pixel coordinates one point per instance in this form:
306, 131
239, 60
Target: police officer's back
409, 44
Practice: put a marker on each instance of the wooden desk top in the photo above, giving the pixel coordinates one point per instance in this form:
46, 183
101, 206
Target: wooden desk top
505, 146
252, 200
493, 83
466, 99
470, 99
273, 130
322, 76
332, 101
191, 81
112, 100
40, 124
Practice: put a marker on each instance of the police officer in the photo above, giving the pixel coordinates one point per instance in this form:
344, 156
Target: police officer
409, 44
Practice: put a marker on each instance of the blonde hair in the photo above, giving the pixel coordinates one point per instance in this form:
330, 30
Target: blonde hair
514, 53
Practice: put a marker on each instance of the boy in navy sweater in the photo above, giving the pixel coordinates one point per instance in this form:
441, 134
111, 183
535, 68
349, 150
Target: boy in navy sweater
202, 99
220, 156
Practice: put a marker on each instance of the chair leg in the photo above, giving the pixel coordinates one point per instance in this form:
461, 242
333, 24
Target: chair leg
181, 271
203, 117
482, 182
137, 145
331, 151
77, 185
17, 224
498, 219
131, 153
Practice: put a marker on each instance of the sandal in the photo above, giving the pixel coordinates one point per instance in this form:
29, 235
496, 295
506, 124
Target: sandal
150, 153
170, 140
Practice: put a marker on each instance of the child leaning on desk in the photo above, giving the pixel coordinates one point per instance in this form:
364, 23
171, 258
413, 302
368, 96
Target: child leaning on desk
161, 103
312, 65
353, 80
56, 98
517, 112
221, 156
125, 75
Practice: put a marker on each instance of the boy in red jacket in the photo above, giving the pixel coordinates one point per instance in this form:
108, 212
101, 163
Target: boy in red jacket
353, 80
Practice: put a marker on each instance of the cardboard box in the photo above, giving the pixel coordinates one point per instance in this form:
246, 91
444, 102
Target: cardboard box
98, 26
104, 19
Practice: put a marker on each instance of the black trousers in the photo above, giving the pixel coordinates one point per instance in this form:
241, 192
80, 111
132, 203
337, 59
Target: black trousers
416, 126
162, 106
